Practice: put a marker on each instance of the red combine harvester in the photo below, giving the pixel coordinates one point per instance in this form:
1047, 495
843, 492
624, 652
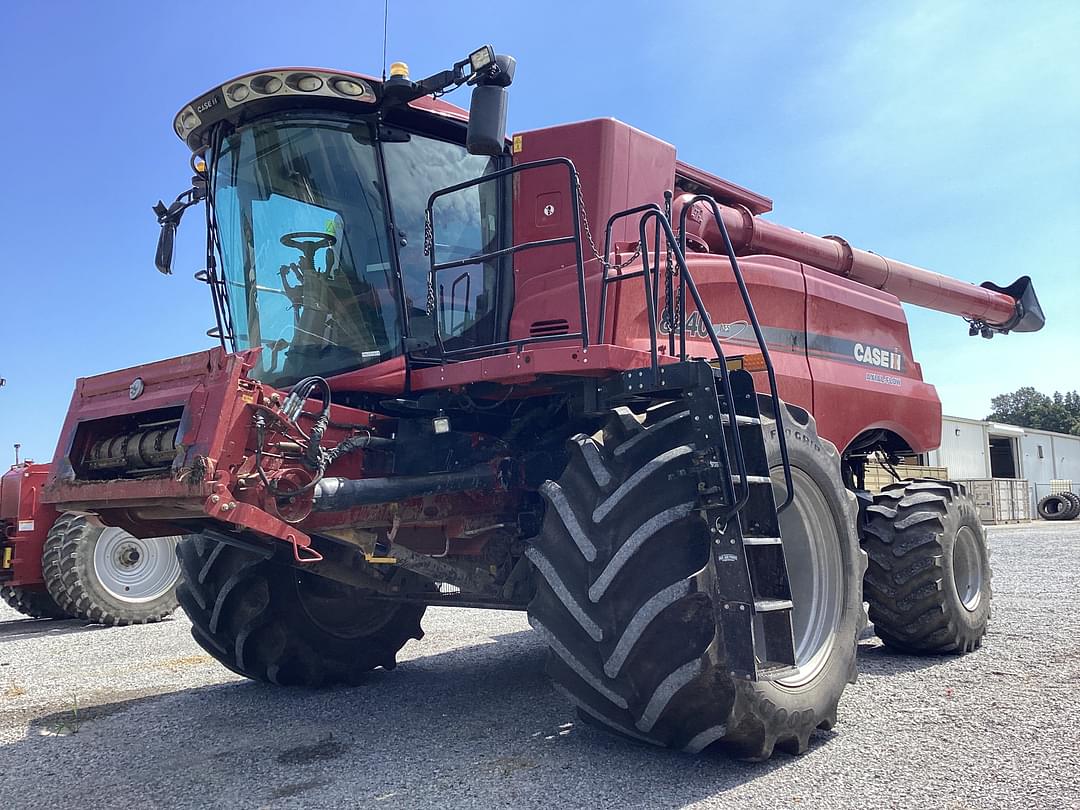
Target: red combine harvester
563, 373
60, 566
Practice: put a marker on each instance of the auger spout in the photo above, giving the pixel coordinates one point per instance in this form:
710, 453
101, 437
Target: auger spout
989, 308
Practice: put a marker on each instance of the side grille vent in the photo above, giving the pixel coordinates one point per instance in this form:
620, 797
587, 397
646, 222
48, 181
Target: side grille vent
544, 328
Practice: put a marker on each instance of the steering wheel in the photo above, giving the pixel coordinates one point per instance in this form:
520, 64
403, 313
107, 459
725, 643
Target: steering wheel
313, 241
308, 243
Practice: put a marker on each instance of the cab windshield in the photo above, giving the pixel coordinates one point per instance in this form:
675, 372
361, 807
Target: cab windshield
303, 232
301, 225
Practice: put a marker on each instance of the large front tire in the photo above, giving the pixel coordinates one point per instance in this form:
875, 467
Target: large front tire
928, 582
273, 622
625, 591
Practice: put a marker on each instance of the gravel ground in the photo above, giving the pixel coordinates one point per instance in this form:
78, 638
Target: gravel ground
97, 717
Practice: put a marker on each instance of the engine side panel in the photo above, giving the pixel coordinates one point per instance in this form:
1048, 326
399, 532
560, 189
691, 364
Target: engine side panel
619, 167
864, 373
840, 349
777, 294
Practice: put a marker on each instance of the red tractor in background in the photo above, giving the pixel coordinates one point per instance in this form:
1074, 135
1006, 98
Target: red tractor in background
68, 566
564, 373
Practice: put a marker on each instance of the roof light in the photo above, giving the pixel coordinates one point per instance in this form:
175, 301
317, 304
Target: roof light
238, 92
481, 58
347, 87
186, 121
266, 85
306, 82
269, 86
399, 70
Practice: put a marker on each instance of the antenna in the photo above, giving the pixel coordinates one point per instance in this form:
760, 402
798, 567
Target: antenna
385, 21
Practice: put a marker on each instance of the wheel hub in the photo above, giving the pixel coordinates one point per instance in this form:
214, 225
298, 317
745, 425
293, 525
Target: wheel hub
967, 566
133, 569
339, 609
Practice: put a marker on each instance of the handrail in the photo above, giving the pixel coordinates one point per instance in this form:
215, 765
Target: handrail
574, 238
752, 316
652, 211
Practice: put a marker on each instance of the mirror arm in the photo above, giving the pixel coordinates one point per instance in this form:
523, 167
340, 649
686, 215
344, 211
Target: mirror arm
172, 214
443, 82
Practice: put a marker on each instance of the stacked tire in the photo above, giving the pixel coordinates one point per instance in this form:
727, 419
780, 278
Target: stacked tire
1059, 506
100, 574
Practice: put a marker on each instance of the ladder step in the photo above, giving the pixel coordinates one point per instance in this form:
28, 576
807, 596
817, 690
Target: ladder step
740, 420
769, 605
752, 479
762, 541
770, 671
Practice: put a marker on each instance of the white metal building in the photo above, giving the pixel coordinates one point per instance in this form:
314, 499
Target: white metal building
971, 448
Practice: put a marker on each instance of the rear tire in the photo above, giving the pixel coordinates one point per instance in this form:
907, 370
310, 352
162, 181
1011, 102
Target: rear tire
35, 604
273, 622
624, 582
928, 581
106, 576
1054, 507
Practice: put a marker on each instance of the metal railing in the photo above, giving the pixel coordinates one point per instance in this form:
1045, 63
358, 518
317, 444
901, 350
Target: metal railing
573, 238
744, 293
663, 235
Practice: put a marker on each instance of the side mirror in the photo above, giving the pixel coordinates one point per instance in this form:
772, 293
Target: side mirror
487, 111
168, 216
164, 258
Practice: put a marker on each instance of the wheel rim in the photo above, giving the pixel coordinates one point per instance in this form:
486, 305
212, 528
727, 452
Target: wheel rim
338, 609
815, 573
967, 568
133, 569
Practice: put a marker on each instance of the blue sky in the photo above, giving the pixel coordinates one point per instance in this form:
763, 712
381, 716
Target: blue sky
942, 134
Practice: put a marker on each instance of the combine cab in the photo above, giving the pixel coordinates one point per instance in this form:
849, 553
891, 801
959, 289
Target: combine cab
563, 373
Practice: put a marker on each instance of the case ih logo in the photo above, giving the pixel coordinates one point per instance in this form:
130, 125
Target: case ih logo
874, 356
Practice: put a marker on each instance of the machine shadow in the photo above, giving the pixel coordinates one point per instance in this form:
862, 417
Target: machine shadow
875, 659
20, 629
490, 704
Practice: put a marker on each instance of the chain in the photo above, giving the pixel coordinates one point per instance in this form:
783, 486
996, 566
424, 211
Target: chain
592, 243
676, 288
429, 247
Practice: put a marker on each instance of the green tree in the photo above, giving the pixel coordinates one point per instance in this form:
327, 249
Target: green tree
1029, 408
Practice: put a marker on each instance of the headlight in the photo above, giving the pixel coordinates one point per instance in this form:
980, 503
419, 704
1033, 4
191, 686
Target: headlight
347, 87
481, 58
238, 92
266, 85
306, 82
